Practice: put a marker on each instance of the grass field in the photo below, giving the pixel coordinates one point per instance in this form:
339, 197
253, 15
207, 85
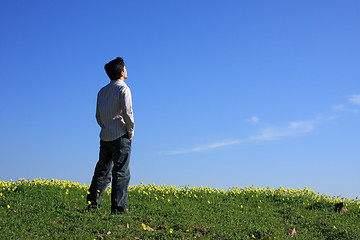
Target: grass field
53, 209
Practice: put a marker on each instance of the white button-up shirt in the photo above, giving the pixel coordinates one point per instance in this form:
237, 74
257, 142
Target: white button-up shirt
114, 111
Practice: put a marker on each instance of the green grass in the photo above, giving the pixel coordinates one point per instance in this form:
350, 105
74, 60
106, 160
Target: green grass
44, 209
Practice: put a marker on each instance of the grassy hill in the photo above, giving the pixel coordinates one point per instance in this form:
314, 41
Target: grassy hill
53, 209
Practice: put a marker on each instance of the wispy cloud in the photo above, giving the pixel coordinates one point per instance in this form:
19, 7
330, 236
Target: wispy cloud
293, 128
206, 147
354, 99
253, 119
338, 107
274, 133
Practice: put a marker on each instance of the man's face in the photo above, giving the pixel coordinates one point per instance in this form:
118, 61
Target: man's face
124, 73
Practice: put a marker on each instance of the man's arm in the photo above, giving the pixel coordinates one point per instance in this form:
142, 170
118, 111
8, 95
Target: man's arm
98, 119
127, 111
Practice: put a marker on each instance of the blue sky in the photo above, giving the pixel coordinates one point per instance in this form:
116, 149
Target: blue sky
231, 93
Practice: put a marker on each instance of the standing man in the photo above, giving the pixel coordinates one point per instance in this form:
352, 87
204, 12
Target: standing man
114, 114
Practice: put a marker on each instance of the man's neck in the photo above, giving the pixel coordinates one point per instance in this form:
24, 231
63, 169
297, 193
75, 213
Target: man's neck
121, 79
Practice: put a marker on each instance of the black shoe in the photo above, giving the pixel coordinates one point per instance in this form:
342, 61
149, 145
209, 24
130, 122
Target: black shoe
119, 210
92, 207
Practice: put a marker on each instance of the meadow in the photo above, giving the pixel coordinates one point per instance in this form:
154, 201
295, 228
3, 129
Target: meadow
54, 209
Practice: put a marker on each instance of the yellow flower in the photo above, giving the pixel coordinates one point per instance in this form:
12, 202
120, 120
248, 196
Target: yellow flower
335, 227
127, 225
253, 236
8, 206
208, 202
89, 202
171, 230
144, 226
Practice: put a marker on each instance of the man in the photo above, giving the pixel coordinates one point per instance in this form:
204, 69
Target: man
114, 114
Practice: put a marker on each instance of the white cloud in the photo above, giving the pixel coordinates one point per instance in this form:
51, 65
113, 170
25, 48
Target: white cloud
206, 147
354, 99
338, 107
273, 133
253, 119
293, 128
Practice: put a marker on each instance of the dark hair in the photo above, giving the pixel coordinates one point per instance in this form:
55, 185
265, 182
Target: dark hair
114, 68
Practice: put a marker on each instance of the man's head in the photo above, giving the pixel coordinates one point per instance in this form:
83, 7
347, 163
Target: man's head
115, 69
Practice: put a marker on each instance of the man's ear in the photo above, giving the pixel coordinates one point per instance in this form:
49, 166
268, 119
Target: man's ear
122, 73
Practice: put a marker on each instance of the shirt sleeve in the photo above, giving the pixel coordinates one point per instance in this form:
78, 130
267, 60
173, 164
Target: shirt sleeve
98, 119
127, 111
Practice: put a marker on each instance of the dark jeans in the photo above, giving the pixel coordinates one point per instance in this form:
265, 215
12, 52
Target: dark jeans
113, 163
